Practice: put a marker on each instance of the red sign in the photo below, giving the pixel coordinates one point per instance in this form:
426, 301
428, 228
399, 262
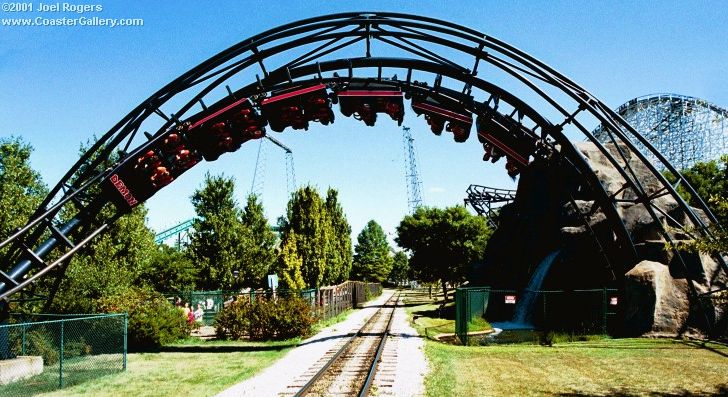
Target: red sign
510, 299
613, 301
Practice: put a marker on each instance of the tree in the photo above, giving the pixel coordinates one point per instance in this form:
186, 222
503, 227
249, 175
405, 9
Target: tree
109, 265
218, 232
290, 263
257, 248
710, 181
170, 269
372, 261
21, 188
306, 217
339, 254
443, 242
400, 268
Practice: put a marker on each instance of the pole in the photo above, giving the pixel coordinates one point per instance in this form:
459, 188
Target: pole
60, 363
126, 325
604, 311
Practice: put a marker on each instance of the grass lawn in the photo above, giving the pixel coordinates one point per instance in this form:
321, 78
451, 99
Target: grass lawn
597, 368
190, 368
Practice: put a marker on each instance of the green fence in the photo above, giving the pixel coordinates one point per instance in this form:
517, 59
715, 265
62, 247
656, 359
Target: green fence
326, 302
586, 311
55, 351
212, 302
470, 305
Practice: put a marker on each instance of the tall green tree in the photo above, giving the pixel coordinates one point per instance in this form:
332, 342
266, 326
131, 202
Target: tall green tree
444, 243
258, 254
339, 250
400, 268
306, 216
372, 259
290, 263
21, 187
215, 241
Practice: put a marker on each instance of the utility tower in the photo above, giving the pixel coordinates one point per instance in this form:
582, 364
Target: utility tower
414, 185
260, 162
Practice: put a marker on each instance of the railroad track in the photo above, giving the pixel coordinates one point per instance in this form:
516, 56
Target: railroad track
349, 368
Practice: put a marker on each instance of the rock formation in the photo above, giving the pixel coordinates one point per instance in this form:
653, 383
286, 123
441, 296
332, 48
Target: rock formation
553, 210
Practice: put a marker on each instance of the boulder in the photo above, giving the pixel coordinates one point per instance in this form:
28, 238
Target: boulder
656, 303
552, 211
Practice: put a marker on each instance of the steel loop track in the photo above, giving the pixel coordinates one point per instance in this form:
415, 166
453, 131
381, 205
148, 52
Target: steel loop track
362, 367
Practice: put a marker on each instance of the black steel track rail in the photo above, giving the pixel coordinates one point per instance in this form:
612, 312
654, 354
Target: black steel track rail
317, 38
306, 388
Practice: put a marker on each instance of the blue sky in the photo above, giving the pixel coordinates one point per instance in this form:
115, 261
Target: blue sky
61, 85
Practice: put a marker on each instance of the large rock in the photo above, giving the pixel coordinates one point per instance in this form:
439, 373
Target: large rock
552, 211
656, 303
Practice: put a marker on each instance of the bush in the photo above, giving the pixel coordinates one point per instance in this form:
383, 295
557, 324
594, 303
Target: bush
40, 341
153, 321
263, 319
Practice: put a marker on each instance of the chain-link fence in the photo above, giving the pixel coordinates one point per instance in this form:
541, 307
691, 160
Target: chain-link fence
470, 305
587, 311
55, 351
327, 302
212, 302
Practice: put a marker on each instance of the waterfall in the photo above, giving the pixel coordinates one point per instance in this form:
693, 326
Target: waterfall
523, 317
525, 306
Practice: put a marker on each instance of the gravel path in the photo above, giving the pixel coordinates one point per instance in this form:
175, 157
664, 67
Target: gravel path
404, 366
410, 368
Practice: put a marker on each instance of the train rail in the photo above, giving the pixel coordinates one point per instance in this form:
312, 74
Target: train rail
350, 370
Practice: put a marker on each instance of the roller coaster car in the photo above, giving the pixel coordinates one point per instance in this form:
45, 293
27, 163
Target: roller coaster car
225, 129
296, 107
459, 121
503, 136
364, 101
138, 177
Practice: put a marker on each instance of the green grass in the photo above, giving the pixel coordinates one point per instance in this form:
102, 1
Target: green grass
576, 365
189, 368
432, 317
333, 320
595, 368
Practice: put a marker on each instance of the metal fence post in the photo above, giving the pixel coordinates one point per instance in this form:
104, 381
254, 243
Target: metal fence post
22, 347
126, 324
604, 311
60, 362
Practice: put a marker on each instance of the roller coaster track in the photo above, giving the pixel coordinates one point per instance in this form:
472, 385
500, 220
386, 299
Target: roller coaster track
485, 200
424, 60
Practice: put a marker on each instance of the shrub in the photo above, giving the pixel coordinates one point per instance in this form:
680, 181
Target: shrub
263, 319
40, 342
153, 321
